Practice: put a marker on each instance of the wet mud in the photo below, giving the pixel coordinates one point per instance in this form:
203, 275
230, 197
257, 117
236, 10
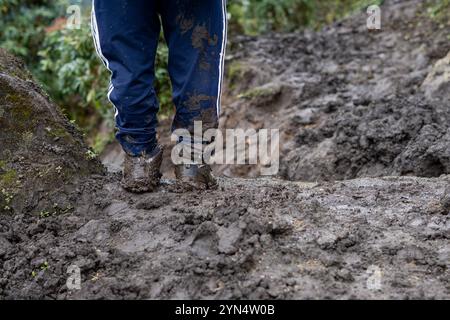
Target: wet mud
353, 105
250, 239
348, 103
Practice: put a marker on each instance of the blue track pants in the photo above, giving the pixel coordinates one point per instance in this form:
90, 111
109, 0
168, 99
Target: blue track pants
126, 35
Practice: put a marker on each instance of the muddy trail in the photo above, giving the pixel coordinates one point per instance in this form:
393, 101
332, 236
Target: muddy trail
349, 103
360, 209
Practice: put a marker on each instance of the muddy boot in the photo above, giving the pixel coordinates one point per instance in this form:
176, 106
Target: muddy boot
142, 173
194, 177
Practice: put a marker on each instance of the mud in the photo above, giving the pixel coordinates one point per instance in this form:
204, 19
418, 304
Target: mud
194, 103
142, 174
190, 178
184, 23
201, 37
349, 103
366, 238
352, 103
42, 156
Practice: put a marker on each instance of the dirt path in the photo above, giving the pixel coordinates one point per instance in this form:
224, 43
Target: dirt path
366, 238
352, 104
348, 102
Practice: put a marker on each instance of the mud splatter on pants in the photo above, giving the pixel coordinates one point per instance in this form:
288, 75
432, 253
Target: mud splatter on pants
126, 34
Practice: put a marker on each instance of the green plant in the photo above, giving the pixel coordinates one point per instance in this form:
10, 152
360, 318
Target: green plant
65, 62
7, 198
162, 84
256, 17
22, 25
260, 16
44, 214
42, 268
91, 155
74, 76
440, 10
78, 81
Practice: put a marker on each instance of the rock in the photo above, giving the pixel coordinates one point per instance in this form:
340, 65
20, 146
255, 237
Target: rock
229, 238
29, 124
326, 239
305, 116
344, 275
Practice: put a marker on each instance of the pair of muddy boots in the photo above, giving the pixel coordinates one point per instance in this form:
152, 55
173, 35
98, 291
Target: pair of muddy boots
142, 174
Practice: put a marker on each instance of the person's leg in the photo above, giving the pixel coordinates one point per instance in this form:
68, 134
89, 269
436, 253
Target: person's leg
126, 34
195, 31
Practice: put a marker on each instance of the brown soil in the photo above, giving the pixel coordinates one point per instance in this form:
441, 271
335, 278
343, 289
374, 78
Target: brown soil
351, 105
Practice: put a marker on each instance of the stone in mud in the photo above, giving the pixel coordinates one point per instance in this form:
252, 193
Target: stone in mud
229, 238
264, 95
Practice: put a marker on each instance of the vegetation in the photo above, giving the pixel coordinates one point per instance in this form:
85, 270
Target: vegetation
440, 10
259, 16
23, 23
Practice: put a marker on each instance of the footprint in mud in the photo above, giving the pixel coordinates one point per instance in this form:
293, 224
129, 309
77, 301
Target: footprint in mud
206, 240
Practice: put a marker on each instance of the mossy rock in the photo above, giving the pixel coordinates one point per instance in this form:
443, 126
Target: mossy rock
263, 96
13, 66
42, 155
